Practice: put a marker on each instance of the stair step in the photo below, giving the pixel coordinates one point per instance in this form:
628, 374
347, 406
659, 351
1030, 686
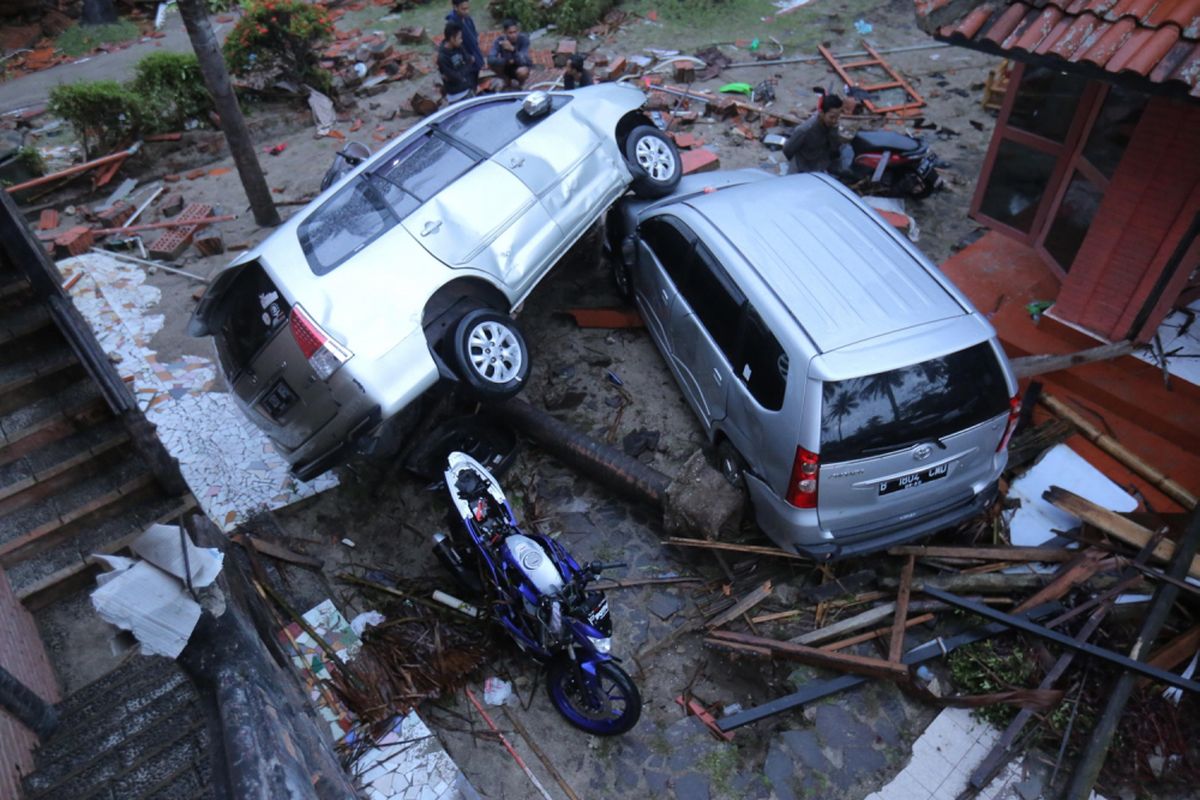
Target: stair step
53, 468
39, 579
13, 287
51, 417
169, 762
29, 530
28, 379
23, 323
84, 741
128, 680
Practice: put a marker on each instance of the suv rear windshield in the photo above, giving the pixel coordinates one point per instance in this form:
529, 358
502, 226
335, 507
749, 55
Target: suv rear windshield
879, 413
250, 313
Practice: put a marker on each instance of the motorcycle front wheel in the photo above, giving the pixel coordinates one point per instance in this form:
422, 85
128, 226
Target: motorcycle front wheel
611, 707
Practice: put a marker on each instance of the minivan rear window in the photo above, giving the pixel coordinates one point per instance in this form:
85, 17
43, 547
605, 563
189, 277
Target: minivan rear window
343, 225
251, 311
880, 413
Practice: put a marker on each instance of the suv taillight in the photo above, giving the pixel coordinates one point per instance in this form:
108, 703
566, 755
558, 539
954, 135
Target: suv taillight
802, 486
1014, 413
325, 355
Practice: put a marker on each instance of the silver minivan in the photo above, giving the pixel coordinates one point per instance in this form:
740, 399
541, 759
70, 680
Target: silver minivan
843, 380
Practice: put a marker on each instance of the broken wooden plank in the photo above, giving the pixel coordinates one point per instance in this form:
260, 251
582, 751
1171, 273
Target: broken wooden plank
841, 662
752, 598
1174, 652
897, 641
736, 648
1028, 366
1113, 524
974, 583
911, 622
732, 547
1045, 554
269, 548
1084, 566
1155, 477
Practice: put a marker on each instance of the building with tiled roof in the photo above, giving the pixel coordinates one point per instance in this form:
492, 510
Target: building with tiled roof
1093, 163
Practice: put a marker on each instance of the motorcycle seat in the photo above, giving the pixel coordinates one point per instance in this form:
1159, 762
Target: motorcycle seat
470, 484
898, 143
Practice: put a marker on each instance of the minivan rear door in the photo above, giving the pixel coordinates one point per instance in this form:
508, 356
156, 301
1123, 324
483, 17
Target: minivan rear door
262, 361
909, 441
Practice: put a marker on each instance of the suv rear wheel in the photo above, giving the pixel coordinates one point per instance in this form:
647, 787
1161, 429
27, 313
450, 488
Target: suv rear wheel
732, 465
654, 161
490, 354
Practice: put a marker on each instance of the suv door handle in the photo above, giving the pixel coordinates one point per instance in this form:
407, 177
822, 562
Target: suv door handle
516, 161
431, 226
717, 376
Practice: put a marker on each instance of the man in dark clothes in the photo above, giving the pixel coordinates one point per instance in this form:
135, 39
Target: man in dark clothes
460, 14
458, 75
814, 146
509, 57
575, 75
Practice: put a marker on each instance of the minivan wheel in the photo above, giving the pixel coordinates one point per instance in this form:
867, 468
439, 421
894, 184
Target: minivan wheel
654, 161
732, 465
490, 354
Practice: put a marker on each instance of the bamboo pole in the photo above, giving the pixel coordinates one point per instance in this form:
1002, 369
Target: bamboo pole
1118, 451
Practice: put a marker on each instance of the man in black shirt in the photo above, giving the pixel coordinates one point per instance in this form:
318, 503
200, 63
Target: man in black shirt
509, 57
575, 75
455, 64
814, 145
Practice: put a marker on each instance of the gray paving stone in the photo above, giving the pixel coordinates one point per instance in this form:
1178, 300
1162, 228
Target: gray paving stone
691, 786
780, 770
838, 729
886, 730
804, 745
863, 761
628, 774
664, 605
656, 782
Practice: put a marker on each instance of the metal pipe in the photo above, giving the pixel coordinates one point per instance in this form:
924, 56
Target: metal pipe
26, 706
99, 162
174, 223
1101, 735
155, 264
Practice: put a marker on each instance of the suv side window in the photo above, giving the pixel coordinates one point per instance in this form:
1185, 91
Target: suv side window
763, 366
716, 301
345, 224
426, 166
666, 238
490, 126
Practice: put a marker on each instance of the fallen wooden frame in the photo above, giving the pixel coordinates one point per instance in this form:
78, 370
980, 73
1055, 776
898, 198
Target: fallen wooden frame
830, 659
1039, 554
816, 690
1069, 642
732, 547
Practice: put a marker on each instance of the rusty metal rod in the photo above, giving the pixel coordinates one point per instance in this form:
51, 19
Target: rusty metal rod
174, 223
84, 167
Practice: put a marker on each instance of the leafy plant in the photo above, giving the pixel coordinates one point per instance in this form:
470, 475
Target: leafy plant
983, 668
280, 39
31, 159
172, 89
80, 39
101, 112
570, 16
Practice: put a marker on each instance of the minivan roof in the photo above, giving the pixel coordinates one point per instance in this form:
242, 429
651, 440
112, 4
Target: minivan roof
842, 276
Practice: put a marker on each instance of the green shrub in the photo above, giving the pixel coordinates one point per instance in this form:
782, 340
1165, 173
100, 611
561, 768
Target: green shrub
80, 39
172, 90
571, 16
280, 39
101, 112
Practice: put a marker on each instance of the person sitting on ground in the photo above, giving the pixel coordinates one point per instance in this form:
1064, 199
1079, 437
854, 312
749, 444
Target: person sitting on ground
454, 63
814, 145
509, 57
575, 75
460, 14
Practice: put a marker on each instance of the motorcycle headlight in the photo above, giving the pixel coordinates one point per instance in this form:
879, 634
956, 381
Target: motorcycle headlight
602, 645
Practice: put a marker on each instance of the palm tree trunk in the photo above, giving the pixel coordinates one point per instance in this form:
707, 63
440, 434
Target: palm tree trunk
233, 124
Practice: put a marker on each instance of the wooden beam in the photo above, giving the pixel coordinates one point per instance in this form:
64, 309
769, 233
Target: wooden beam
269, 548
1028, 366
1113, 524
748, 602
897, 641
1047, 554
911, 622
1174, 652
841, 662
1085, 565
735, 548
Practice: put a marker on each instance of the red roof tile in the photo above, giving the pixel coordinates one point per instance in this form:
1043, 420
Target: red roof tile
1156, 39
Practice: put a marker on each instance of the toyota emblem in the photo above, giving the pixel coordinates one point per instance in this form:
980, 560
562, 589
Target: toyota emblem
922, 452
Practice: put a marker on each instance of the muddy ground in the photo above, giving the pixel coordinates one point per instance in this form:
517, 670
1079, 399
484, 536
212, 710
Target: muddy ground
844, 748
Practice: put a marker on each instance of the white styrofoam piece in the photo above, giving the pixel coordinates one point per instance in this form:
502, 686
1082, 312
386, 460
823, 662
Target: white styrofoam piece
162, 546
1034, 522
114, 564
150, 604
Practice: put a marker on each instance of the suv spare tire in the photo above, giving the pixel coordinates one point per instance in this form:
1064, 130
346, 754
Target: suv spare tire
490, 354
654, 161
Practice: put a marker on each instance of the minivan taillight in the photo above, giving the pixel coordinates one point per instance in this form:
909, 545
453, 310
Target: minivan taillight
325, 355
802, 486
1014, 413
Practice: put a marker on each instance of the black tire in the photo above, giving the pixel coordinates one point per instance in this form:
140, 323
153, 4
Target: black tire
490, 354
917, 188
654, 161
732, 465
605, 720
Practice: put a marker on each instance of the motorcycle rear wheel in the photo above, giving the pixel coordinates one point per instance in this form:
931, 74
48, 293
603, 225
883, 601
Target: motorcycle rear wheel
614, 711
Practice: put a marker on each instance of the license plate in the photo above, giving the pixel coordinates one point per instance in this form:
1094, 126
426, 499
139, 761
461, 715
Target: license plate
277, 401
914, 479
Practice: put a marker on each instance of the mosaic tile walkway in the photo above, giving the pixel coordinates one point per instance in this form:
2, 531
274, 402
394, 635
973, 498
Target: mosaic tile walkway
229, 464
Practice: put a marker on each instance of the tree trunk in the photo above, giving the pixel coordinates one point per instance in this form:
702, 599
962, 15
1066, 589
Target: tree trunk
233, 124
98, 12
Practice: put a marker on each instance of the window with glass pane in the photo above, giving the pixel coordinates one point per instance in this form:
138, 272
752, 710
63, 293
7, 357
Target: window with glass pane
345, 224
1113, 128
1016, 185
1072, 221
1045, 102
427, 166
490, 126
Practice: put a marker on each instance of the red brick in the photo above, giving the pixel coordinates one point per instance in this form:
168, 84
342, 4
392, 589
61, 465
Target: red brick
686, 141
211, 245
701, 160
685, 72
171, 244
171, 178
74, 241
48, 220
617, 68
115, 215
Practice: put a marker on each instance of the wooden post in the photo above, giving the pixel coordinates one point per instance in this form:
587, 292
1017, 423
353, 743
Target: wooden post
233, 124
896, 646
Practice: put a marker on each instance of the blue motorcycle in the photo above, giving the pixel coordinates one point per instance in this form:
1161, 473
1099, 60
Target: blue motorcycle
539, 595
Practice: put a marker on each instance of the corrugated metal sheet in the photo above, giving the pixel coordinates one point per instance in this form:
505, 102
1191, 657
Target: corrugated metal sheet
1158, 40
